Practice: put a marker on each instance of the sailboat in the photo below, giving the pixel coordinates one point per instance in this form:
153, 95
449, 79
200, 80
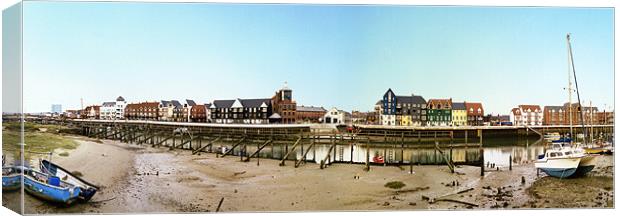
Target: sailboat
588, 161
561, 160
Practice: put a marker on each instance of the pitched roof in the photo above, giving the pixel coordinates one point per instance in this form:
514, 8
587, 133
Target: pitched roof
190, 102
109, 104
474, 107
165, 103
458, 106
553, 107
119, 98
310, 109
443, 102
515, 111
255, 103
275, 116
530, 107
414, 99
223, 103
176, 104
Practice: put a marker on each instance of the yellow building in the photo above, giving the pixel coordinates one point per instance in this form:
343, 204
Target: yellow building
405, 120
459, 114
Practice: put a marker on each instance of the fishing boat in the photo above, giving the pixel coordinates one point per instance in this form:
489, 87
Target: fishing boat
87, 189
558, 162
11, 178
50, 188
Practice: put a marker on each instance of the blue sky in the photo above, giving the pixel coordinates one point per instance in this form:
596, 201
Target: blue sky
342, 56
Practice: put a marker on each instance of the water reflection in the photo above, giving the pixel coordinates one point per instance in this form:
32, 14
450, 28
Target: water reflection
498, 152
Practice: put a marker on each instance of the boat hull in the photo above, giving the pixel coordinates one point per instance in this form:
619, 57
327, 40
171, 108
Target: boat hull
50, 193
558, 167
87, 189
559, 172
11, 182
586, 164
595, 150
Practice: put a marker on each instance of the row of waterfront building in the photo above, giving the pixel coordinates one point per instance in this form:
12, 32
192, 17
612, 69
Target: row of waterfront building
390, 110
280, 108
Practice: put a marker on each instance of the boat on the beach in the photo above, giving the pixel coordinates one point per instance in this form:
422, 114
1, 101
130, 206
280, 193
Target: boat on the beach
565, 159
87, 189
50, 188
558, 162
378, 159
11, 178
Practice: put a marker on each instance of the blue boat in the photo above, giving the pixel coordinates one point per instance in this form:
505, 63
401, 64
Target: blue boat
87, 189
562, 140
11, 178
50, 188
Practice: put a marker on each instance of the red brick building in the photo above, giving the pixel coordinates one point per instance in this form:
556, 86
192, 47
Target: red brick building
142, 111
198, 113
561, 115
284, 106
309, 114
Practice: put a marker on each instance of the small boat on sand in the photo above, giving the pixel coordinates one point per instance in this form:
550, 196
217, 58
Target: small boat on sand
87, 189
11, 178
378, 159
49, 188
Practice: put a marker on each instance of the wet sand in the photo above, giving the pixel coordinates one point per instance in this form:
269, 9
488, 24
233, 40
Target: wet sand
145, 179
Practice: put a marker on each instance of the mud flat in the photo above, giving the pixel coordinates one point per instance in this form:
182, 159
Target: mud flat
145, 179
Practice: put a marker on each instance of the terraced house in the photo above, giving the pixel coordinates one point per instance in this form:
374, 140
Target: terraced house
439, 112
142, 111
402, 110
242, 111
459, 114
526, 115
475, 114
187, 108
170, 111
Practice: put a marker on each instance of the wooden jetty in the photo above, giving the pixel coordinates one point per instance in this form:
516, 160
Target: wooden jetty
299, 142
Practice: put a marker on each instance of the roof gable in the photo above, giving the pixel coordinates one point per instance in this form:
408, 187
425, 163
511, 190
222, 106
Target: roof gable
237, 104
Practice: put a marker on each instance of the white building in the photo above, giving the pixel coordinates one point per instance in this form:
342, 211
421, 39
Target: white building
113, 110
336, 116
388, 119
530, 115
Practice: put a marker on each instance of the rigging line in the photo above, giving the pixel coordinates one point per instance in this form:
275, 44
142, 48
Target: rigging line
580, 109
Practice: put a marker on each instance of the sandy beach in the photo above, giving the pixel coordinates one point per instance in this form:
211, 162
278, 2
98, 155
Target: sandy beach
144, 179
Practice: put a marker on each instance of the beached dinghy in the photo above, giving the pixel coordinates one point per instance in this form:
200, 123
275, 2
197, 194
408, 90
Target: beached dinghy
87, 189
50, 188
11, 178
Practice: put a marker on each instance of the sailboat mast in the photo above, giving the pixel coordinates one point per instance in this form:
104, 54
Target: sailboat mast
579, 108
570, 90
